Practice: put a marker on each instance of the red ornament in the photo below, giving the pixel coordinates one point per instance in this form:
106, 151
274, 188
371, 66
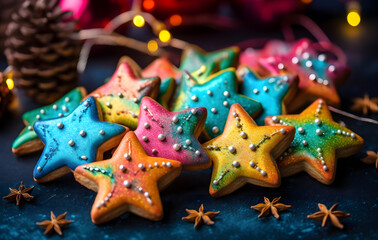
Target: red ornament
95, 14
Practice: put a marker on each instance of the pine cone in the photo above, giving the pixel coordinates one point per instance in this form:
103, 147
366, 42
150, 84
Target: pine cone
7, 7
41, 51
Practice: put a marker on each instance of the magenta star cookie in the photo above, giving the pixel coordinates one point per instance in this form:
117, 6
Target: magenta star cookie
173, 135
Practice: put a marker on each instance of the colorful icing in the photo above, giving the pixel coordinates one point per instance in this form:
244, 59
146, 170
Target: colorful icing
172, 135
318, 76
61, 108
193, 58
201, 75
271, 92
318, 142
74, 140
119, 98
245, 153
217, 94
128, 182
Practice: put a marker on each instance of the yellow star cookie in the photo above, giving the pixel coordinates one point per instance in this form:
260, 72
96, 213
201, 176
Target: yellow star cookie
245, 153
119, 98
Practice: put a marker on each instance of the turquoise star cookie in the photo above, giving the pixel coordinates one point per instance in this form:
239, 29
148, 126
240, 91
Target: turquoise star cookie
27, 141
272, 92
76, 139
217, 95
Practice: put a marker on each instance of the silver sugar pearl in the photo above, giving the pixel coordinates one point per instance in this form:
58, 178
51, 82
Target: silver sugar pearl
176, 146
161, 137
236, 164
231, 149
194, 98
252, 147
127, 156
319, 132
127, 184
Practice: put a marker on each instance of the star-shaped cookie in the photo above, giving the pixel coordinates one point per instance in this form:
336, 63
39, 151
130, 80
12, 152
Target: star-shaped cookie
274, 92
194, 57
201, 75
27, 141
167, 72
318, 143
245, 153
119, 98
128, 182
318, 76
217, 95
173, 135
73, 140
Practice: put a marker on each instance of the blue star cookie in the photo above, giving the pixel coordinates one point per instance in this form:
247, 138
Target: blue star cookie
76, 139
217, 95
273, 92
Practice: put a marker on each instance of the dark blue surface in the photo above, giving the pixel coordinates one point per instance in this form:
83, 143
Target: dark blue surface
355, 188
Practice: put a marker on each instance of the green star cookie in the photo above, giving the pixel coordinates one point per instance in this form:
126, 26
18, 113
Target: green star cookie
194, 57
318, 143
27, 141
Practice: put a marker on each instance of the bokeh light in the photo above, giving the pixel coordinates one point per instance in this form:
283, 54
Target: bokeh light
353, 18
138, 21
164, 35
152, 46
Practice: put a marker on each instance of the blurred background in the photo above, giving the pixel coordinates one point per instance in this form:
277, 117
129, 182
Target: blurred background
212, 24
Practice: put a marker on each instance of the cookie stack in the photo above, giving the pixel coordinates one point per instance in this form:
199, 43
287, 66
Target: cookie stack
164, 119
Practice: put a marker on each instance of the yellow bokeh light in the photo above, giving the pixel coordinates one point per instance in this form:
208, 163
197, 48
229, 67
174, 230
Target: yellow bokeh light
164, 35
353, 18
152, 46
138, 21
10, 83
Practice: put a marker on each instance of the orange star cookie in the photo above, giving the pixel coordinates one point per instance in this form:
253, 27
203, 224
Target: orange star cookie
120, 97
167, 72
245, 153
318, 142
129, 181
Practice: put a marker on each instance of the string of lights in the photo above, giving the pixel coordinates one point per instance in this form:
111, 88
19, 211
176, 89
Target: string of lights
108, 36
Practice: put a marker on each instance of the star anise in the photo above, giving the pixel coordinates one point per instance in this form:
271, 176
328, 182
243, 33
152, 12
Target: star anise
270, 207
371, 158
365, 104
324, 215
199, 217
18, 195
56, 224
